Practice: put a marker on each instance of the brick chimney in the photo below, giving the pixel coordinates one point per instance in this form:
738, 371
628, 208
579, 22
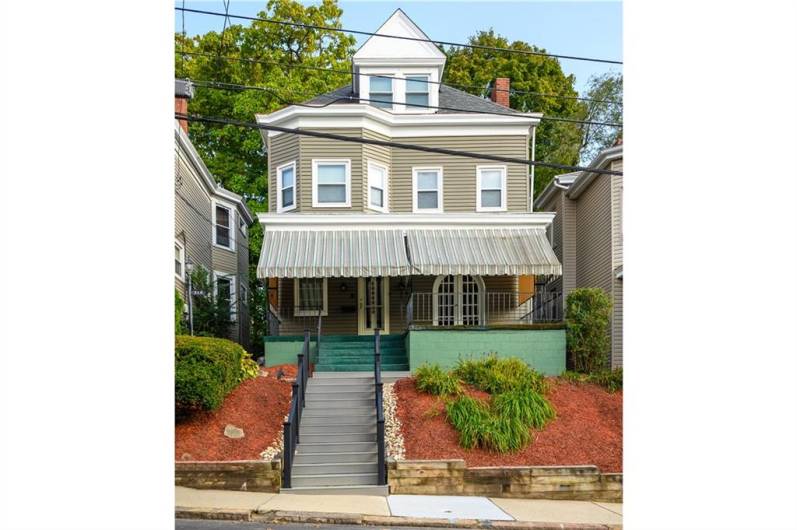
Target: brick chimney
183, 91
500, 93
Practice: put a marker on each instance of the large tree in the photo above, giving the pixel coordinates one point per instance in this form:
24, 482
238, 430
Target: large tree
557, 142
266, 56
605, 106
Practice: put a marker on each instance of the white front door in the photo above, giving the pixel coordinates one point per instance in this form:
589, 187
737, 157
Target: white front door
373, 305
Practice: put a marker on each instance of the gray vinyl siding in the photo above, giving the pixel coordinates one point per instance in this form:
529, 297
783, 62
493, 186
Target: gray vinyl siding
192, 214
315, 148
459, 173
282, 149
617, 263
594, 236
617, 324
570, 249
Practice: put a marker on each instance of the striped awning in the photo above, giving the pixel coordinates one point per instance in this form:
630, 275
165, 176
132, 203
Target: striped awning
332, 254
485, 251
403, 252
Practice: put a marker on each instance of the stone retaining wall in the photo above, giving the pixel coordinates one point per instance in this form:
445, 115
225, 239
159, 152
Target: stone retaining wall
451, 477
244, 475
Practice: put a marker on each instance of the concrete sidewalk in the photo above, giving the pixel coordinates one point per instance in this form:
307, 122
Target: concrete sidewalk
416, 510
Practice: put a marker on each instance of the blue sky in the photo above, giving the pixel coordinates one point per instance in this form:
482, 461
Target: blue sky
590, 29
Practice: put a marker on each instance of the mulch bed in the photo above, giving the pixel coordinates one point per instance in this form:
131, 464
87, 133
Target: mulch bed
257, 406
588, 429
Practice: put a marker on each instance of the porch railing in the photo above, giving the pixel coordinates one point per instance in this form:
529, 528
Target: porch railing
483, 309
380, 414
290, 428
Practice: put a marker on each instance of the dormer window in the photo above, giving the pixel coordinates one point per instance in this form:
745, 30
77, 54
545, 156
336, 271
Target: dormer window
417, 91
380, 92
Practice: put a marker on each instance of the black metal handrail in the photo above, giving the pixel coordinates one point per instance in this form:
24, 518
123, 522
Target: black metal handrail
290, 428
380, 415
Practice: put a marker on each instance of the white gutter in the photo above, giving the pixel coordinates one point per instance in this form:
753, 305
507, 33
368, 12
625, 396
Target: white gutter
586, 177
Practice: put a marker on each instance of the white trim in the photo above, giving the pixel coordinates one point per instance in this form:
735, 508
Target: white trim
233, 225
361, 329
479, 207
347, 163
385, 187
360, 221
233, 301
280, 188
585, 178
415, 190
324, 297
180, 277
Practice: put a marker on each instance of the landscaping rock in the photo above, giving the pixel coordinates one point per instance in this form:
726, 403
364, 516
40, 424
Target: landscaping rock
231, 431
393, 438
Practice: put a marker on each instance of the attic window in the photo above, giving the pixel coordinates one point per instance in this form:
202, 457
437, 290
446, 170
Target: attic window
380, 92
417, 91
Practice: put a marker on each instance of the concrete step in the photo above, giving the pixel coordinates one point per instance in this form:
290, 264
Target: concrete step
327, 402
358, 367
334, 468
376, 491
331, 458
342, 447
337, 428
336, 421
354, 376
340, 385
315, 393
360, 411
340, 437
335, 479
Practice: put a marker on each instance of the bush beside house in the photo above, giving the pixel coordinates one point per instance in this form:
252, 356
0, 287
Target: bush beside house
587, 318
206, 370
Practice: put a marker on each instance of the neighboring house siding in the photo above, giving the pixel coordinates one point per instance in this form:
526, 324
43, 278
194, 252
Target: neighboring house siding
617, 324
617, 263
594, 236
192, 215
459, 173
281, 150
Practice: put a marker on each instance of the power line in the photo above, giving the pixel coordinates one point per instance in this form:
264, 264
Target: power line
386, 143
401, 37
233, 86
384, 76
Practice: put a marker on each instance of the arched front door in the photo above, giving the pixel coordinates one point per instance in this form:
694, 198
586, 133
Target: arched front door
458, 300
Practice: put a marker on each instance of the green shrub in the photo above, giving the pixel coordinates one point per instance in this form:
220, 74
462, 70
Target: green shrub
506, 434
249, 368
528, 406
496, 375
612, 380
573, 377
432, 379
469, 417
206, 370
178, 313
587, 319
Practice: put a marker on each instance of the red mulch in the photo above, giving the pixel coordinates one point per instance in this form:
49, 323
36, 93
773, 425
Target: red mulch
257, 406
588, 429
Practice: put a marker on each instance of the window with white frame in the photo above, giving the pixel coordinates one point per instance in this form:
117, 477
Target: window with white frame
310, 296
286, 187
490, 188
377, 187
179, 260
427, 189
417, 91
380, 91
242, 225
225, 294
223, 223
331, 183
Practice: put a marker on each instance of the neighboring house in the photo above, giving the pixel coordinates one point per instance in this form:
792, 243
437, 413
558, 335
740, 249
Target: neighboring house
587, 234
210, 226
439, 252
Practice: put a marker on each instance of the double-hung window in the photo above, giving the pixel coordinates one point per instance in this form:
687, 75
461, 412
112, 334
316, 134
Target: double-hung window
380, 91
179, 260
286, 187
223, 226
427, 189
310, 296
490, 188
377, 187
225, 294
331, 183
417, 94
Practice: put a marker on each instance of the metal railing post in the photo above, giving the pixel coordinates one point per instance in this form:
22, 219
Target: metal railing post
287, 454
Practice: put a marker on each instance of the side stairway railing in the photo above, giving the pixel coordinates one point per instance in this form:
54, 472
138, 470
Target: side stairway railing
380, 414
290, 428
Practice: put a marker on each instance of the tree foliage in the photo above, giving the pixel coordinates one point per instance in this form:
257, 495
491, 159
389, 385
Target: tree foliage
557, 142
605, 87
235, 155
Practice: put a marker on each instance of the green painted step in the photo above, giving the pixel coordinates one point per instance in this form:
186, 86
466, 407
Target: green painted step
355, 353
361, 367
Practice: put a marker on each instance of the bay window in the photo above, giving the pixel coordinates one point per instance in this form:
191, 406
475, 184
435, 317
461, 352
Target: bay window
223, 223
427, 189
377, 187
331, 183
286, 187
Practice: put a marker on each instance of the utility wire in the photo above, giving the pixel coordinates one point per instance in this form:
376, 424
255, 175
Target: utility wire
384, 76
385, 143
233, 86
401, 37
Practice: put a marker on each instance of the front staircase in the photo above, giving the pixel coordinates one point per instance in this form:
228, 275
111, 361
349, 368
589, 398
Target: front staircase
355, 353
337, 451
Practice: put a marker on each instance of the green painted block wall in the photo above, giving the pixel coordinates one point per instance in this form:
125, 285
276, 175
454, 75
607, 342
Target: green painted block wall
282, 349
543, 349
